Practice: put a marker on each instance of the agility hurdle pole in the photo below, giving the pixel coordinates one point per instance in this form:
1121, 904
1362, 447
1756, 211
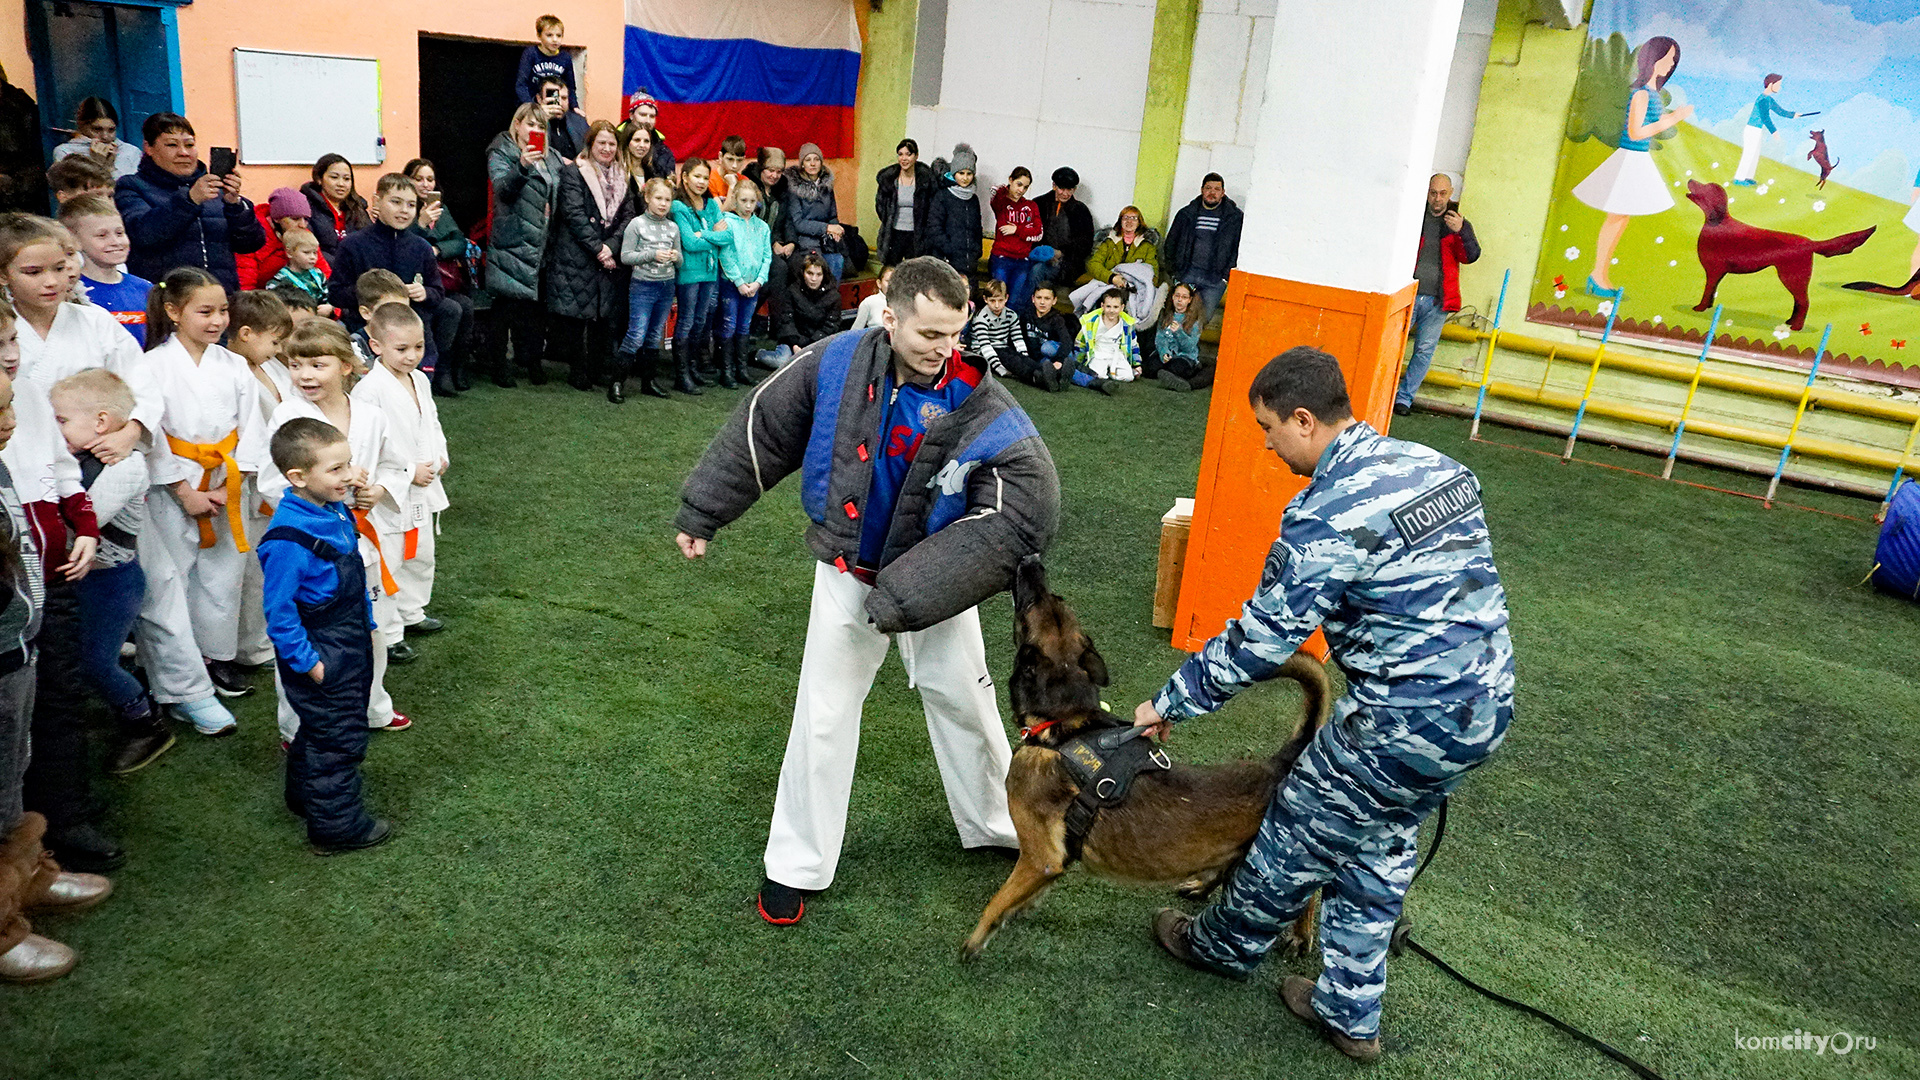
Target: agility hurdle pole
1900, 468
1486, 369
1692, 387
1592, 374
1806, 393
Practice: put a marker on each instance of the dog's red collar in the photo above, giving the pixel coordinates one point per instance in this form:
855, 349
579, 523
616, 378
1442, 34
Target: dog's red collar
1031, 732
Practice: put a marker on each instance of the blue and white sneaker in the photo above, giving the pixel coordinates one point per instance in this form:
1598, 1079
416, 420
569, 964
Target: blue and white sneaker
207, 716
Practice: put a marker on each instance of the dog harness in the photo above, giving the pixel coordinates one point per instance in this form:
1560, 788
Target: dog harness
1103, 764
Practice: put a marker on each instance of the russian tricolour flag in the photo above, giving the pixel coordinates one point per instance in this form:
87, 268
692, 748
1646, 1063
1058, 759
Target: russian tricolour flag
776, 72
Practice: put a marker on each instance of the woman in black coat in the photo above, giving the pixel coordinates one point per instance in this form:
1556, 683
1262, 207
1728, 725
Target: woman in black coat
813, 303
335, 203
586, 284
908, 206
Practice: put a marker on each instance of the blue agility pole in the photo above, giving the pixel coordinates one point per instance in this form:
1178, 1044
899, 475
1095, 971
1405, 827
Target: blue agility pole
1900, 469
1486, 369
1692, 388
1806, 393
1593, 373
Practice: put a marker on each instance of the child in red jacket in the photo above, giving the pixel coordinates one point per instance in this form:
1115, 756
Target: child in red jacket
1017, 231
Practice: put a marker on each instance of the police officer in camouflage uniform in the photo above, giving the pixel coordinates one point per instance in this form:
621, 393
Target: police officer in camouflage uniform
1387, 551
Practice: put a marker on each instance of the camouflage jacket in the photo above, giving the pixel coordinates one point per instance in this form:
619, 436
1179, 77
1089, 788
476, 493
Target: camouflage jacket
1387, 550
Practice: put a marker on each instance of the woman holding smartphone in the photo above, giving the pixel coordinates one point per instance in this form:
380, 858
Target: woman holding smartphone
523, 173
438, 228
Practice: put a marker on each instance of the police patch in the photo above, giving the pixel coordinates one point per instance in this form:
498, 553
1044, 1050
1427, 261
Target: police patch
1430, 513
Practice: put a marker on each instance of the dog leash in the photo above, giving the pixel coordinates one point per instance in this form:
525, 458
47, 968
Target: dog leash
1403, 939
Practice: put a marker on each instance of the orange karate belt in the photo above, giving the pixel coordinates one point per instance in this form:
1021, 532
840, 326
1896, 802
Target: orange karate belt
210, 456
364, 526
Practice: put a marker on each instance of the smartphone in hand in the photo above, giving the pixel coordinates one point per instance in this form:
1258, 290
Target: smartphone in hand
221, 160
537, 141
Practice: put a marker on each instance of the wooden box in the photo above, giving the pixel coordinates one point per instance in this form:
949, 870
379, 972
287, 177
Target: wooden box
1175, 525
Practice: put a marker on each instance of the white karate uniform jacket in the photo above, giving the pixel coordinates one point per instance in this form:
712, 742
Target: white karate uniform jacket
84, 336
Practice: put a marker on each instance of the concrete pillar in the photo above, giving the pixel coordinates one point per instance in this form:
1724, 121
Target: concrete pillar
1340, 168
1346, 138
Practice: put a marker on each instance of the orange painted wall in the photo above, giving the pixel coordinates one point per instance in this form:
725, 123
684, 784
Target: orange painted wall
13, 44
211, 29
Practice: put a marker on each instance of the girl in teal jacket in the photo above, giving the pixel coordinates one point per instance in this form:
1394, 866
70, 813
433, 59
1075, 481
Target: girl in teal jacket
696, 214
746, 251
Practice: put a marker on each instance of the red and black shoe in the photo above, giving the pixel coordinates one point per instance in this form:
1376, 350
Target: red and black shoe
781, 905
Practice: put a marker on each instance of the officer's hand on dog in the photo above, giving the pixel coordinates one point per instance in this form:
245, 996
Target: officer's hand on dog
691, 547
1144, 715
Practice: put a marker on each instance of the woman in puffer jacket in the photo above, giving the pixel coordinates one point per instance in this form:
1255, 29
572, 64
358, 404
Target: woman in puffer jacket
336, 207
523, 182
811, 211
953, 230
586, 290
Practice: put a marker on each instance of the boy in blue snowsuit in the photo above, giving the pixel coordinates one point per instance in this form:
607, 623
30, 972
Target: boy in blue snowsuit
320, 617
1386, 550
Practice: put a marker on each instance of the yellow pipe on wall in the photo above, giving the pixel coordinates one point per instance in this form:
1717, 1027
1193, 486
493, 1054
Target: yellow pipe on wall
1828, 449
1846, 401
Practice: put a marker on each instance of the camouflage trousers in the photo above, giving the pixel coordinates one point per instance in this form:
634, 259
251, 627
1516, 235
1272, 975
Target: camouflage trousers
1344, 821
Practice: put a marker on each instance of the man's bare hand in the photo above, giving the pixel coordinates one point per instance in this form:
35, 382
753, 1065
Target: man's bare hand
1144, 715
1453, 220
690, 546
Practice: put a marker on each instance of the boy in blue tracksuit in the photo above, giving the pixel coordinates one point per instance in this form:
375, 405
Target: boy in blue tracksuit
320, 618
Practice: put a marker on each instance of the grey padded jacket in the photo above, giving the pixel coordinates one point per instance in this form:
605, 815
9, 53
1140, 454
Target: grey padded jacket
980, 495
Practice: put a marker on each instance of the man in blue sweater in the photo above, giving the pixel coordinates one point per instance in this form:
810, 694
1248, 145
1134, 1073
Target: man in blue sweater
320, 617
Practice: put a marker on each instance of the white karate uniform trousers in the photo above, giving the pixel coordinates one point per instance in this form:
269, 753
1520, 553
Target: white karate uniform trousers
255, 647
176, 673
1750, 140
379, 702
213, 576
948, 663
415, 575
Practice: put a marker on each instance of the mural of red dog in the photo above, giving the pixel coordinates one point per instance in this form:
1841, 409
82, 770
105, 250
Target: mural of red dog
1729, 246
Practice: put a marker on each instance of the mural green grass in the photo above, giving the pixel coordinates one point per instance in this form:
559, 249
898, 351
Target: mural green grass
1702, 824
1660, 270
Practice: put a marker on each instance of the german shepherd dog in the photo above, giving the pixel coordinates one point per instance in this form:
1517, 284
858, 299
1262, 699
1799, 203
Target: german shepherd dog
1730, 246
1189, 824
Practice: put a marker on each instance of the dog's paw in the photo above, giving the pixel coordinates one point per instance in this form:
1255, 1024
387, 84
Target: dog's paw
1293, 946
970, 950
1195, 888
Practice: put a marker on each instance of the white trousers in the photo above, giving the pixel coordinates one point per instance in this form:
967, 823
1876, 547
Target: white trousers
948, 663
254, 647
213, 576
415, 575
1750, 140
164, 633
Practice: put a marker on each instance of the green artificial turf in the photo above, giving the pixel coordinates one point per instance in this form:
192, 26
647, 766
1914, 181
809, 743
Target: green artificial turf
1703, 820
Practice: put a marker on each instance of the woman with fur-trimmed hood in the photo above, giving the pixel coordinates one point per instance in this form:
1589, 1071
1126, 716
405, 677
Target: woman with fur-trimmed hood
812, 213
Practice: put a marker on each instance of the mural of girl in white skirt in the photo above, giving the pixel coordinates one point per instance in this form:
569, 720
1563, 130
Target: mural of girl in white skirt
1628, 183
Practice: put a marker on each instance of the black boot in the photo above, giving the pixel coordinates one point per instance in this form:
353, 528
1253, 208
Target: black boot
443, 383
503, 368
617, 378
723, 364
536, 370
702, 359
737, 356
683, 379
653, 381
143, 738
461, 381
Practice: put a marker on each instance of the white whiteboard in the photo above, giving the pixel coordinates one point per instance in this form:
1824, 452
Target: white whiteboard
296, 107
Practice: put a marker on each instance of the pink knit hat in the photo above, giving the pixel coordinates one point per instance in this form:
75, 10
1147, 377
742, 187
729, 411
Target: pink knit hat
286, 202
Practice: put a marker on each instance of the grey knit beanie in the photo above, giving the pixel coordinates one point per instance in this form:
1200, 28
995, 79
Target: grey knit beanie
965, 158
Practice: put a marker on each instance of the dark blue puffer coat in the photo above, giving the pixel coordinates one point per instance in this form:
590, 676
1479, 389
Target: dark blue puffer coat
167, 230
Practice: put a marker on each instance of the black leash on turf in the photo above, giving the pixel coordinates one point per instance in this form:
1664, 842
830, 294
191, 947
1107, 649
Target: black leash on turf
1403, 939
